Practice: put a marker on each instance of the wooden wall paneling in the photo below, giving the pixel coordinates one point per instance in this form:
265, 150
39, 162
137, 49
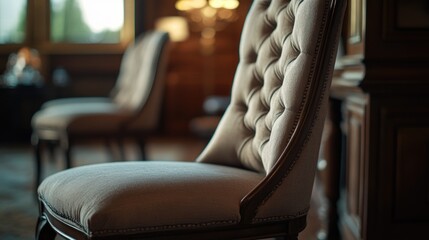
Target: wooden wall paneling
90, 75
353, 194
403, 170
193, 76
412, 173
384, 93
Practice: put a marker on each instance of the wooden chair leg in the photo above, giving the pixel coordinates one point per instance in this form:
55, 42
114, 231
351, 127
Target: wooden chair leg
51, 146
44, 230
122, 154
67, 155
142, 146
295, 237
116, 149
38, 161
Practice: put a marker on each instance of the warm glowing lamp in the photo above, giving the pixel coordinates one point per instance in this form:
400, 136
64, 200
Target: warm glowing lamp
208, 17
177, 27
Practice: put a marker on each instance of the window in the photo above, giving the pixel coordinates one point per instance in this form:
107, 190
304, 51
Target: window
87, 26
13, 15
83, 21
67, 26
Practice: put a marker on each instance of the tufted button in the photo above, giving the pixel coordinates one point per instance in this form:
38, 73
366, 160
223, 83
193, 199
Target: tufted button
272, 23
295, 46
251, 56
258, 76
290, 14
275, 47
279, 73
282, 105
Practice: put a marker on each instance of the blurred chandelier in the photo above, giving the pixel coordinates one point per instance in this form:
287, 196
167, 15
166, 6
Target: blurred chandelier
208, 17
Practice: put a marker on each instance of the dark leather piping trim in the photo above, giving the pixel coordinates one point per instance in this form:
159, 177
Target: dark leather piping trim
48, 209
262, 192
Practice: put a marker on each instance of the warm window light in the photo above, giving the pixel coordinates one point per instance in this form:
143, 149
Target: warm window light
111, 18
177, 27
83, 21
13, 21
108, 19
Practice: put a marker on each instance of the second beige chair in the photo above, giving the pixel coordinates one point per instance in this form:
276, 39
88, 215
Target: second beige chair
132, 112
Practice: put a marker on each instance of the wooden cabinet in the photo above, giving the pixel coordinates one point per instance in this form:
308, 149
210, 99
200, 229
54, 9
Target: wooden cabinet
381, 148
17, 106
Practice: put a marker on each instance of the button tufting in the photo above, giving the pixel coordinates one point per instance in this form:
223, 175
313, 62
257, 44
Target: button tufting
252, 56
275, 48
279, 74
258, 76
270, 22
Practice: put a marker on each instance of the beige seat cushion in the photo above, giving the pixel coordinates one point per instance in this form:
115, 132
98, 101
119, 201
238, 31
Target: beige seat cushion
95, 116
154, 195
75, 100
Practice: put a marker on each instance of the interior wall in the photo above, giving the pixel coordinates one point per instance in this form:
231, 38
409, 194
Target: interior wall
192, 76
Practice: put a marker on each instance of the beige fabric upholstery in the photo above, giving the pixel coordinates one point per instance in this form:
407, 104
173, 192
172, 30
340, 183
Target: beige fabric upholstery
257, 170
137, 83
102, 199
279, 46
270, 84
123, 84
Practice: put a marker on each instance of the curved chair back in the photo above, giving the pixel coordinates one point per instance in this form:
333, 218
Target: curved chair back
274, 122
126, 71
142, 80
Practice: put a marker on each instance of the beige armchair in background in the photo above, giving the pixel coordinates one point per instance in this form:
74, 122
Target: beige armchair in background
123, 85
254, 179
132, 111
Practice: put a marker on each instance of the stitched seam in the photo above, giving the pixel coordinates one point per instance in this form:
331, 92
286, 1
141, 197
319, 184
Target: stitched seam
282, 217
130, 230
56, 212
164, 227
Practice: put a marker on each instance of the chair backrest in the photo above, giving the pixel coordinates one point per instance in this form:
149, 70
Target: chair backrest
126, 71
274, 122
142, 79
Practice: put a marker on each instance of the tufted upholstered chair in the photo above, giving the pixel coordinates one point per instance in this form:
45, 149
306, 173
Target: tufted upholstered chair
133, 111
254, 178
123, 84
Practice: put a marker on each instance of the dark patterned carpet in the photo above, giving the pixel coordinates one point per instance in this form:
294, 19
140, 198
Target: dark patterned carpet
18, 208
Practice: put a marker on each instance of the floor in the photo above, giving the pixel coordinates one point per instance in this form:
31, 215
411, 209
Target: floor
184, 149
